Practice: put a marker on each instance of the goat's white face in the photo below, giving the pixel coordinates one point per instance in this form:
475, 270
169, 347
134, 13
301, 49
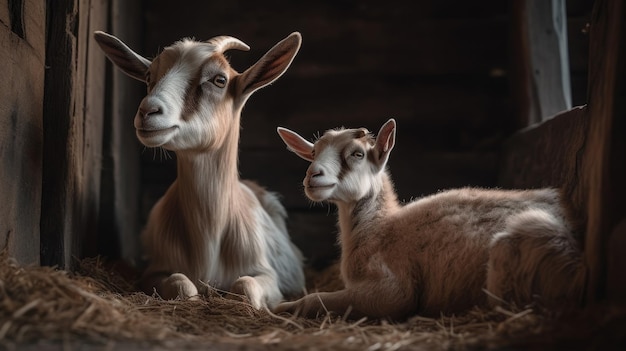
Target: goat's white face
345, 163
188, 99
194, 97
340, 168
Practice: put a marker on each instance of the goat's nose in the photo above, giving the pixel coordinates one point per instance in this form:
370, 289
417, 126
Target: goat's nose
146, 112
313, 172
150, 108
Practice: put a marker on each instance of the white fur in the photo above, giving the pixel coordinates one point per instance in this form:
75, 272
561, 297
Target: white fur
209, 226
438, 253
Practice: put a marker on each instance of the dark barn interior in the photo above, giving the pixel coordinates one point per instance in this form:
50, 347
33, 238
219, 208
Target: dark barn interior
512, 94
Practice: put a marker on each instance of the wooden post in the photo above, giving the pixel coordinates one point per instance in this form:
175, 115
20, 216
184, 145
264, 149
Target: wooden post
22, 60
58, 89
548, 154
540, 60
604, 170
119, 228
73, 111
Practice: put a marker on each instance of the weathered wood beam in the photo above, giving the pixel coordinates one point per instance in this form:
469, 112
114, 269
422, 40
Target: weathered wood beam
22, 65
605, 153
540, 60
118, 231
56, 122
73, 110
549, 154
584, 152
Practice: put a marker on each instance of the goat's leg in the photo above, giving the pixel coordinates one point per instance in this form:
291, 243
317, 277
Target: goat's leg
379, 300
535, 257
504, 257
169, 286
262, 290
318, 304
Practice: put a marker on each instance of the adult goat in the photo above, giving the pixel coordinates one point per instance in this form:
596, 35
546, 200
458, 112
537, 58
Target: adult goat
209, 226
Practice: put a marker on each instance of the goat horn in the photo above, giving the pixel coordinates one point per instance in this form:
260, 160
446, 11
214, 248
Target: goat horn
223, 43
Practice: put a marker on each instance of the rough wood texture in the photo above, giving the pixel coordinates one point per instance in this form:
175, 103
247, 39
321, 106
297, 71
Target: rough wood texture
540, 59
118, 231
73, 116
583, 151
605, 166
21, 117
441, 71
5, 18
548, 155
434, 70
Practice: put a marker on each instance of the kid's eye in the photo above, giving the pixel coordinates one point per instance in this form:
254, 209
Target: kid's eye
358, 154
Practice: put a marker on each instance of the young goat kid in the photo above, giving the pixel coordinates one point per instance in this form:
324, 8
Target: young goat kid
438, 253
209, 226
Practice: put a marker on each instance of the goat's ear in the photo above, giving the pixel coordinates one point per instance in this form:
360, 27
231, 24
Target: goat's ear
271, 66
296, 143
122, 56
385, 140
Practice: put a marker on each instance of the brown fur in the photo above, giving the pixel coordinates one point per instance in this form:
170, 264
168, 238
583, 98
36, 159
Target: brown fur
438, 253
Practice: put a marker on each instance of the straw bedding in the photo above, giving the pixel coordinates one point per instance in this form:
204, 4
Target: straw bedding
97, 306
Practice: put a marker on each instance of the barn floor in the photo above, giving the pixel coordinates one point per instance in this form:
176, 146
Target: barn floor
96, 309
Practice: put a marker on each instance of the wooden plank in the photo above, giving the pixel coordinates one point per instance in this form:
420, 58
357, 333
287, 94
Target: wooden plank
337, 42
73, 127
21, 119
56, 168
540, 60
34, 25
605, 167
427, 47
548, 155
422, 106
89, 108
4, 14
119, 211
582, 150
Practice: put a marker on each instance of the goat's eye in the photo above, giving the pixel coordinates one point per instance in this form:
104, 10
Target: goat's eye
313, 153
358, 154
219, 81
148, 78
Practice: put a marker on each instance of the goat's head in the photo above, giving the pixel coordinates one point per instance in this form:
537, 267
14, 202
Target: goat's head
194, 96
345, 163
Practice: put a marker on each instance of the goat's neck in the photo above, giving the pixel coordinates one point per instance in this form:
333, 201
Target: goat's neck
361, 218
208, 181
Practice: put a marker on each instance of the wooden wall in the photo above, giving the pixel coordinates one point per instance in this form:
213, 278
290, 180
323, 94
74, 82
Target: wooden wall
440, 68
604, 167
119, 227
76, 183
73, 120
443, 69
582, 150
68, 176
22, 61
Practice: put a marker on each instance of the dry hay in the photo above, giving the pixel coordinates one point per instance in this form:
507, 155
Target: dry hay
98, 307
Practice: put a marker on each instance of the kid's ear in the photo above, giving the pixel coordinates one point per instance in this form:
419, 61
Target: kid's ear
385, 140
296, 143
